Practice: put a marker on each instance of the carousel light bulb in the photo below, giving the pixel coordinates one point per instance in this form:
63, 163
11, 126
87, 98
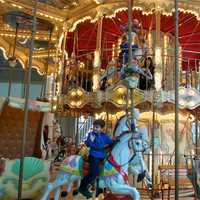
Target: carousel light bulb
113, 51
181, 91
55, 98
79, 92
73, 93
82, 65
54, 107
191, 92
79, 103
73, 103
120, 101
121, 90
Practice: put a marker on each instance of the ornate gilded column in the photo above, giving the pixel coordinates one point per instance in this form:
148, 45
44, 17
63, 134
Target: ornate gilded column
158, 50
60, 60
97, 57
26, 110
158, 87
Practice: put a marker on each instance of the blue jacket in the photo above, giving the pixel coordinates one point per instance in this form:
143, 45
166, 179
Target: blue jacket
97, 143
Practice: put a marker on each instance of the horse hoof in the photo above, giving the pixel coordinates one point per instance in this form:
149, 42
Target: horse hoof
75, 192
64, 194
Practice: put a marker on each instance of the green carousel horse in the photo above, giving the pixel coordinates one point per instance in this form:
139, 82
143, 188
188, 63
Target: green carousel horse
35, 178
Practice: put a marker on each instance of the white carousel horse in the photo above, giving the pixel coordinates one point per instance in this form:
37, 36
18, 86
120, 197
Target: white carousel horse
137, 166
114, 171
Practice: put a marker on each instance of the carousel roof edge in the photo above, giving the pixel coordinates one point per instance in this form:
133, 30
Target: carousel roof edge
111, 8
93, 9
33, 105
22, 56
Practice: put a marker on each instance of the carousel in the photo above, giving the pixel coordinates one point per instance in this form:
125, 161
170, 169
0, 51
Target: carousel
134, 64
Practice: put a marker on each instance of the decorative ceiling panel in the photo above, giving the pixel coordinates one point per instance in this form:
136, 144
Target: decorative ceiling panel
61, 4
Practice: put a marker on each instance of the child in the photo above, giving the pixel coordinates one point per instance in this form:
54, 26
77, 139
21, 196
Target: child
97, 141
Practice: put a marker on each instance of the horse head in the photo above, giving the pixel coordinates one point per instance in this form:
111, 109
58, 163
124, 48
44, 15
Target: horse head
129, 145
124, 123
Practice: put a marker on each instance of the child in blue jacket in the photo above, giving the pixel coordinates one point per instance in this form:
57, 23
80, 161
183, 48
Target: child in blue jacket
97, 141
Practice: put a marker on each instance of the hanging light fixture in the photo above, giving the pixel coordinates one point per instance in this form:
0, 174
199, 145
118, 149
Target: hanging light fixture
12, 62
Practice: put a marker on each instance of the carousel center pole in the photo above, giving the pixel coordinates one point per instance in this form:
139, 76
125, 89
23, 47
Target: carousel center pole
130, 53
176, 101
26, 103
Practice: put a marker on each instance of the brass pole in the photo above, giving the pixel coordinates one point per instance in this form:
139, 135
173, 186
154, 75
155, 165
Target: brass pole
176, 101
97, 58
153, 147
196, 131
62, 73
77, 136
130, 53
26, 103
13, 57
46, 67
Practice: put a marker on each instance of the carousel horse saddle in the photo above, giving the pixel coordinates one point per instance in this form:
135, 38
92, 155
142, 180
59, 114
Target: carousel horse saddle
85, 167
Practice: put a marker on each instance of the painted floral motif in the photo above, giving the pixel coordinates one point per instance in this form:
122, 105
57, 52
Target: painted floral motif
36, 176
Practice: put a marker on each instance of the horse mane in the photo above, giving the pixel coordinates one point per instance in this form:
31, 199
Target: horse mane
118, 138
123, 134
117, 124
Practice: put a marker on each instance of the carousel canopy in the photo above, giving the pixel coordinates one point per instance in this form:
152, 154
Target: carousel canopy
80, 19
85, 34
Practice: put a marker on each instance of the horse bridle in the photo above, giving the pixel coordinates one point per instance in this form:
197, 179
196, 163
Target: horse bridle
131, 146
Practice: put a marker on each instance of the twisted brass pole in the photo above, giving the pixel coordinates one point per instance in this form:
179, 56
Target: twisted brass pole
176, 18
26, 103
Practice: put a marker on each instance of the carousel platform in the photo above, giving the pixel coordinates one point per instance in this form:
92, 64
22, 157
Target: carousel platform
185, 193
143, 197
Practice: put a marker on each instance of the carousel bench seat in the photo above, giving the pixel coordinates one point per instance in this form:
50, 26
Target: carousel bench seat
167, 178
